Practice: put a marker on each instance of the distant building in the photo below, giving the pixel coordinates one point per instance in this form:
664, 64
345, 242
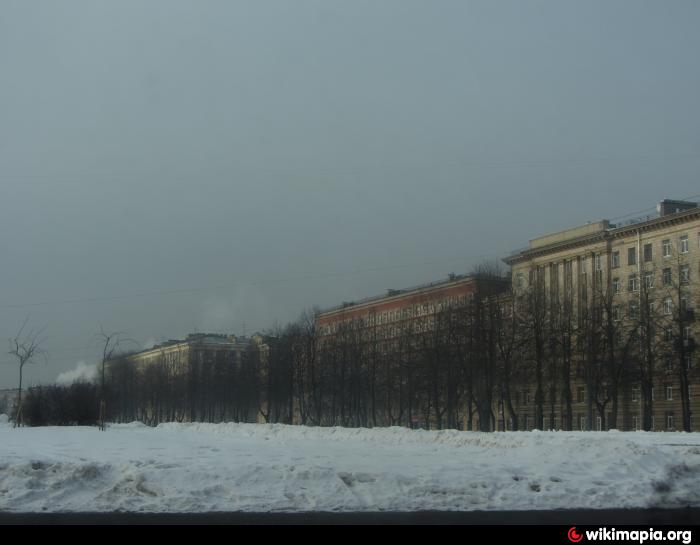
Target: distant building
388, 316
204, 377
203, 347
8, 398
401, 330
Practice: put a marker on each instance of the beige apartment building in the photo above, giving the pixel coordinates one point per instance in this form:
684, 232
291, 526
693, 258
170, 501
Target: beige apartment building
204, 377
643, 274
204, 347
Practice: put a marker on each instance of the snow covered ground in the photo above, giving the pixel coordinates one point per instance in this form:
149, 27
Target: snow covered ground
249, 467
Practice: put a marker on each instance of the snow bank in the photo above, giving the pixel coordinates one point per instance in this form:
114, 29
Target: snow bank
250, 467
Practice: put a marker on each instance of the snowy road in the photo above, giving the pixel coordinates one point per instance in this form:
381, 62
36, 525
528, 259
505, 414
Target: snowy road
248, 467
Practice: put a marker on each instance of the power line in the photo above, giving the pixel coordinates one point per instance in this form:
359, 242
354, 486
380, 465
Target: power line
236, 284
177, 291
651, 209
486, 164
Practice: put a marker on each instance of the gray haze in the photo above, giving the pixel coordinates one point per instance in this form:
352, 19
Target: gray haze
270, 156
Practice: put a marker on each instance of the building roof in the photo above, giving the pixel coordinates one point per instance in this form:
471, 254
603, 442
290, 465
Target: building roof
396, 294
209, 339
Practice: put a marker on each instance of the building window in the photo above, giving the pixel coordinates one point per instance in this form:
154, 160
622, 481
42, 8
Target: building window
581, 394
684, 244
667, 277
599, 278
669, 393
616, 285
519, 280
631, 256
684, 302
616, 258
668, 306
583, 264
666, 247
649, 280
526, 396
688, 362
633, 311
635, 394
669, 420
685, 274
582, 420
616, 314
668, 334
647, 252
635, 423
598, 263
633, 283
669, 362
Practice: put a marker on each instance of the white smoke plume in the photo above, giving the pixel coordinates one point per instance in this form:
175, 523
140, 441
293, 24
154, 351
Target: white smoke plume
82, 373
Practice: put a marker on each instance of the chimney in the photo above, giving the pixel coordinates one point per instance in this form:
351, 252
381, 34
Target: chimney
669, 206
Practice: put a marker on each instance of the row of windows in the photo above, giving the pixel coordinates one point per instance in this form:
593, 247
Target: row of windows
668, 392
633, 308
397, 314
666, 279
632, 281
525, 398
666, 250
648, 251
669, 420
581, 422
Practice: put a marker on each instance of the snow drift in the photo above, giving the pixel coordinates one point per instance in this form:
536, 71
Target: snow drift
249, 467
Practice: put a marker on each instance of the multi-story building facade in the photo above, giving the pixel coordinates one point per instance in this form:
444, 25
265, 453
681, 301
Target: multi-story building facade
627, 294
204, 347
412, 309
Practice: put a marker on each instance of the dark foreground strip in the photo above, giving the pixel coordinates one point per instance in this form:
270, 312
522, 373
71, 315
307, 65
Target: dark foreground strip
588, 517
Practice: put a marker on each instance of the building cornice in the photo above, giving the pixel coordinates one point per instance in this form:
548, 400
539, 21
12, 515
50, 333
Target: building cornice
405, 294
604, 235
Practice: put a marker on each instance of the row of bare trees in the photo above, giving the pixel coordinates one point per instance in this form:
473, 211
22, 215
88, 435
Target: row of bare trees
617, 339
596, 347
467, 363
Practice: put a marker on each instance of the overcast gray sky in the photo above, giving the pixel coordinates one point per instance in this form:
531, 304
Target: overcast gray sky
282, 154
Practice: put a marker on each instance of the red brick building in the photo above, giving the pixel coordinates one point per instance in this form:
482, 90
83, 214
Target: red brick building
397, 359
393, 312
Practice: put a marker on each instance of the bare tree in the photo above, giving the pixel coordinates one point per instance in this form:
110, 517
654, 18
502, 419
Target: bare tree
679, 316
26, 348
111, 344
